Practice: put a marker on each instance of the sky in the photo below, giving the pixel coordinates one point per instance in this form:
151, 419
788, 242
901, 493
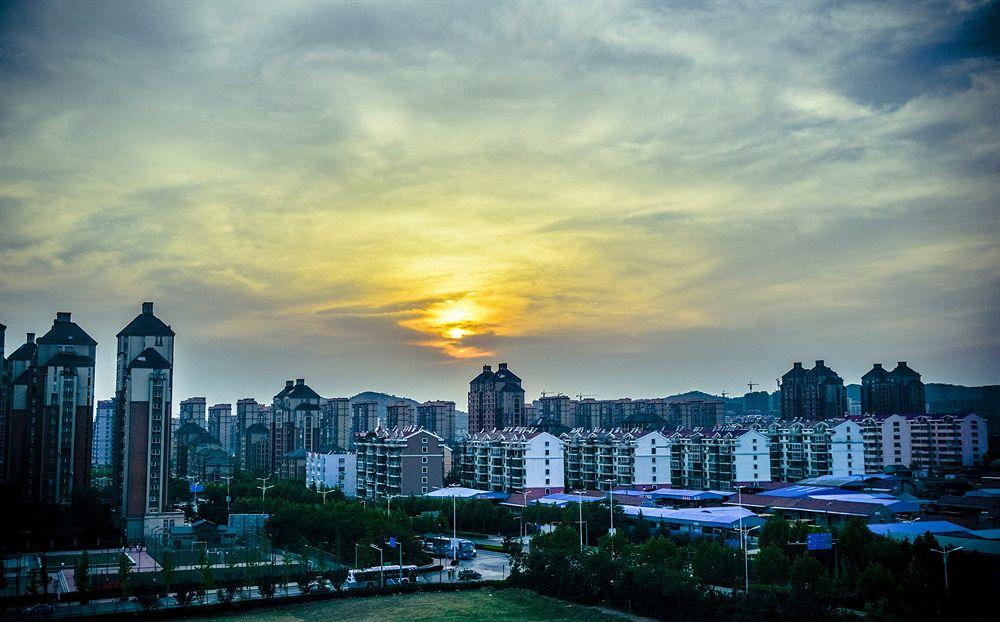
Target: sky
617, 199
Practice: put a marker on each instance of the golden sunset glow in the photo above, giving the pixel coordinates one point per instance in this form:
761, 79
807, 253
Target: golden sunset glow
588, 189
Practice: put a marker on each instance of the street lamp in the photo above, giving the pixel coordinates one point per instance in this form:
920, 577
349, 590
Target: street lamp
228, 479
263, 490
356, 545
388, 503
381, 564
325, 493
944, 557
611, 498
746, 556
579, 500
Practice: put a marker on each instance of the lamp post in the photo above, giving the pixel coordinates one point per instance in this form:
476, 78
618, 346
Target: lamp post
611, 499
356, 545
944, 557
263, 490
454, 523
381, 564
579, 500
325, 493
388, 503
228, 479
746, 556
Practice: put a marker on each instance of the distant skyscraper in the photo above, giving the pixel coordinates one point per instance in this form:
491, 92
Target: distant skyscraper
337, 430
103, 425
756, 402
496, 400
365, 416
142, 422
696, 413
222, 425
438, 417
817, 393
50, 421
295, 417
555, 409
899, 391
399, 415
4, 405
193, 410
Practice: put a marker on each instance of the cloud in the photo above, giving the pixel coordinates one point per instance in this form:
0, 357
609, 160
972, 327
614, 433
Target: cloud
328, 180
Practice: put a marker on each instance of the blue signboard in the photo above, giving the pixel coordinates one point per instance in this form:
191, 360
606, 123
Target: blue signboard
197, 488
392, 543
819, 541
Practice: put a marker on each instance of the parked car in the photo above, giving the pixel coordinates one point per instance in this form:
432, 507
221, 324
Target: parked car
39, 609
468, 574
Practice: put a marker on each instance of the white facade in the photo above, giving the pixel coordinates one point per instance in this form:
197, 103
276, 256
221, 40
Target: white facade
332, 470
752, 457
921, 441
513, 460
847, 449
652, 459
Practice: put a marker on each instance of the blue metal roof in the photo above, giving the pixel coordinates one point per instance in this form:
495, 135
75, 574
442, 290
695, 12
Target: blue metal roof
909, 531
799, 490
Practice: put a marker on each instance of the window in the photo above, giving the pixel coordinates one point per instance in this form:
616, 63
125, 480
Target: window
423, 469
546, 471
546, 462
423, 450
547, 482
423, 489
546, 452
423, 480
424, 460
424, 440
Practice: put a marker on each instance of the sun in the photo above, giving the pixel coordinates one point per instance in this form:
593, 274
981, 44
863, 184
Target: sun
449, 322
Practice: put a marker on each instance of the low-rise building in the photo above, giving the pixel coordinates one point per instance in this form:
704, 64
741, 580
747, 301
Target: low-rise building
336, 469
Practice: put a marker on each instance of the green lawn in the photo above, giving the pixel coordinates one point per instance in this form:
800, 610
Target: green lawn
482, 604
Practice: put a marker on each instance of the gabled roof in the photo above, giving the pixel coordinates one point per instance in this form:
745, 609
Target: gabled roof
24, 352
146, 325
66, 332
302, 392
877, 372
191, 428
149, 359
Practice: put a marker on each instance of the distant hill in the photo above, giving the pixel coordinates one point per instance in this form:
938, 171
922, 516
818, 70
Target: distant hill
692, 395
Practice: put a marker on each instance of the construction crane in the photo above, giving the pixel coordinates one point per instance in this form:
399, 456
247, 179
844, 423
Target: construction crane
752, 385
581, 396
724, 394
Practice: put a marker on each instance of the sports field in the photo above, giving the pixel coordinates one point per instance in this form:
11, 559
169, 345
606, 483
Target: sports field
469, 605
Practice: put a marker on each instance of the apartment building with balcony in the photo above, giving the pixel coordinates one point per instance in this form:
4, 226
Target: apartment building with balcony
807, 448
715, 459
398, 461
922, 441
599, 459
515, 460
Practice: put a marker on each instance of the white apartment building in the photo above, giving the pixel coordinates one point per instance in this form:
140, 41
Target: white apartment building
715, 459
326, 471
801, 448
513, 460
597, 459
922, 441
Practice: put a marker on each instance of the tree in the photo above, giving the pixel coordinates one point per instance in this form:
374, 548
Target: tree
875, 582
337, 575
148, 599
714, 563
206, 574
806, 574
43, 574
184, 597
33, 586
168, 564
81, 575
124, 575
266, 587
772, 565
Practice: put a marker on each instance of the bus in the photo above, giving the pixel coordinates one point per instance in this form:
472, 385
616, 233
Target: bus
452, 548
373, 577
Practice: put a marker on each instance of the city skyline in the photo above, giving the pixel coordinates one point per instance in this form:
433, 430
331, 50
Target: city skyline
620, 199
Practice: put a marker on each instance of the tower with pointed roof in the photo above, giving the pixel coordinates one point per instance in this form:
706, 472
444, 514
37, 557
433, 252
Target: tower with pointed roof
816, 393
885, 392
141, 453
496, 400
49, 428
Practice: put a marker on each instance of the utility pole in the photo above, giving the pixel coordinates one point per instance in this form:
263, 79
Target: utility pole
611, 499
945, 552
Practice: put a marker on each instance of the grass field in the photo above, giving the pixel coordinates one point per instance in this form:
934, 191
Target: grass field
482, 604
